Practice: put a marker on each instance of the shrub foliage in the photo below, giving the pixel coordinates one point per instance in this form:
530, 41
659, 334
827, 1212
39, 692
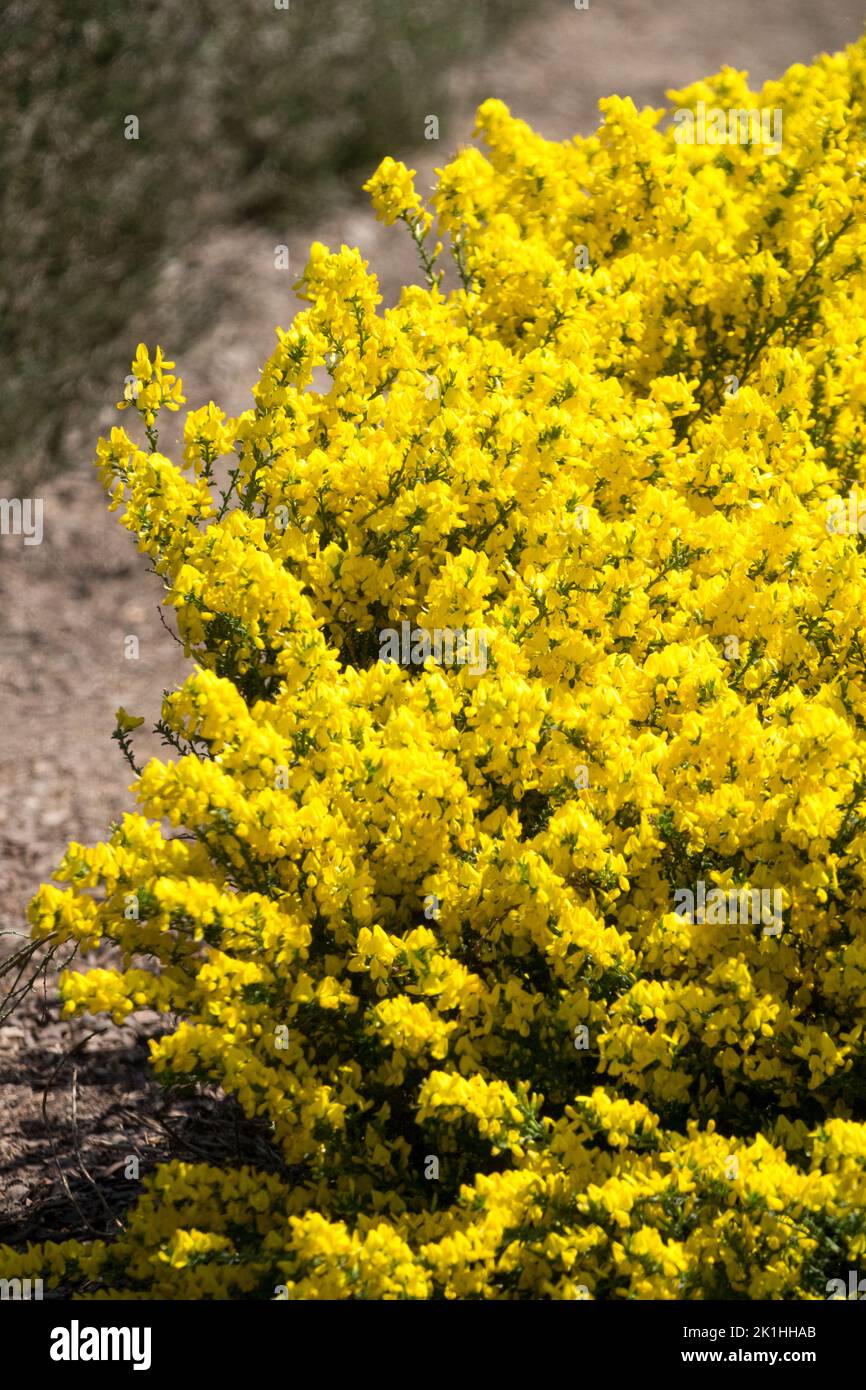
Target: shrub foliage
420, 917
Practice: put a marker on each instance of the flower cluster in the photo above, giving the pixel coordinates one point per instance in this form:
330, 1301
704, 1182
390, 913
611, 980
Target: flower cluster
648, 384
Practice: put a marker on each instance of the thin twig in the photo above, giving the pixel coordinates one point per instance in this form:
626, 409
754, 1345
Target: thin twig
172, 635
81, 1163
64, 1181
159, 1124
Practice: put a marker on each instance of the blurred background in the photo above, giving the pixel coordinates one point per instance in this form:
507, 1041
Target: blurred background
256, 125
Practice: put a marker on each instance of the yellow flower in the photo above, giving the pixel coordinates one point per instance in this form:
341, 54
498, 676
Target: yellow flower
127, 722
519, 775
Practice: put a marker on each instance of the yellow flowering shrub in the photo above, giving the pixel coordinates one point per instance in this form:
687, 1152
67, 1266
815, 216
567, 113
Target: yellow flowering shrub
420, 916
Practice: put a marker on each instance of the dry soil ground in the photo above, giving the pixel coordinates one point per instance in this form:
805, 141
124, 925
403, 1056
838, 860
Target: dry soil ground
68, 1123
